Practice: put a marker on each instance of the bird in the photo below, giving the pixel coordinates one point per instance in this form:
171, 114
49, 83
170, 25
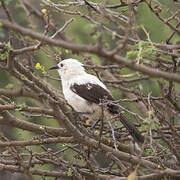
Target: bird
86, 94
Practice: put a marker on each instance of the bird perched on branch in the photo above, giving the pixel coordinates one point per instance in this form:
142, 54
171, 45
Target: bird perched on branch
89, 96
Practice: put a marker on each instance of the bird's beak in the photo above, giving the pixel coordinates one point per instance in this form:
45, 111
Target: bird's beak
54, 67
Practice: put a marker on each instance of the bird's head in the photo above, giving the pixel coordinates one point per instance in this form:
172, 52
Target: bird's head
69, 68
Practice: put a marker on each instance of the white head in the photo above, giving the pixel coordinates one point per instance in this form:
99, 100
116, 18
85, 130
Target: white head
69, 68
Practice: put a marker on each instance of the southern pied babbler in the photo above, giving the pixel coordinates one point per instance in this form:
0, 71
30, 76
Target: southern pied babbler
85, 93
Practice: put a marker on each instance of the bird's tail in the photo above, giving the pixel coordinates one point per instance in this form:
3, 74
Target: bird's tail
133, 131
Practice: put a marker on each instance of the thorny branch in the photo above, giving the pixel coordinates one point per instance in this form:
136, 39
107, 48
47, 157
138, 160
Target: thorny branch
72, 147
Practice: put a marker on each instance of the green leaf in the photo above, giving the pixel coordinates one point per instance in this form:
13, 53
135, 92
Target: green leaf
4, 56
6, 50
149, 151
9, 47
20, 107
5, 152
70, 171
142, 44
132, 54
9, 86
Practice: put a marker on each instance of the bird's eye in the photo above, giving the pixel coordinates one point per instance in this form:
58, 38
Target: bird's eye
62, 65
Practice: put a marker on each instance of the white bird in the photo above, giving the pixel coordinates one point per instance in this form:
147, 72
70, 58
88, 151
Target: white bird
86, 94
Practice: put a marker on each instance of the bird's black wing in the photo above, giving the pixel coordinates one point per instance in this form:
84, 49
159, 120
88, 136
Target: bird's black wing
94, 93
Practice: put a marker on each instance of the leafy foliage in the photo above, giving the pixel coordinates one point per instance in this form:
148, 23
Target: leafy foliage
5, 51
142, 51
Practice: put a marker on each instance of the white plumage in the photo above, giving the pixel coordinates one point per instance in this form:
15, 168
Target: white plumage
72, 72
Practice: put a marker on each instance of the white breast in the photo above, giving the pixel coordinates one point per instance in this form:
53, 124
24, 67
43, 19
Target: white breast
79, 104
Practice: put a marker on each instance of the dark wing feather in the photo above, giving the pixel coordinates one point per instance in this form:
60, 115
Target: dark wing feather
94, 93
91, 92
